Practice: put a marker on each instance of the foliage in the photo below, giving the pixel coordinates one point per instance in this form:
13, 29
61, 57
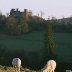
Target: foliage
49, 41
22, 24
16, 22
2, 23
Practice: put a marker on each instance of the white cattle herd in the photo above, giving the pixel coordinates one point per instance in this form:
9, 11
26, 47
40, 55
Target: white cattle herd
49, 67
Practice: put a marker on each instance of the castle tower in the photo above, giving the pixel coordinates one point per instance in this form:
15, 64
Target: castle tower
25, 14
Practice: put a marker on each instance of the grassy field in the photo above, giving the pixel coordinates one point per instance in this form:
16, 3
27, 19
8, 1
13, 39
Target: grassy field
35, 41
32, 41
64, 45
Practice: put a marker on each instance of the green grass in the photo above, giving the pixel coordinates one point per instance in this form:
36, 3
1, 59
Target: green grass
35, 41
32, 41
64, 45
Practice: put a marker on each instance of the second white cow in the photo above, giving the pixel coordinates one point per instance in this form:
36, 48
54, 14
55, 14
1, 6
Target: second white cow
49, 67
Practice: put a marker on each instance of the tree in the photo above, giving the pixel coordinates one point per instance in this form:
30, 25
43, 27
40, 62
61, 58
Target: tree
69, 26
64, 29
12, 25
24, 24
12, 12
49, 44
2, 23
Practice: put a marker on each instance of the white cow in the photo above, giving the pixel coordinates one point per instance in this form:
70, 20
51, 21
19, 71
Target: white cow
49, 67
16, 62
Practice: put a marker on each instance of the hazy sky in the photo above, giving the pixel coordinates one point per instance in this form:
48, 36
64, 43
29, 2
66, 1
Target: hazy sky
57, 8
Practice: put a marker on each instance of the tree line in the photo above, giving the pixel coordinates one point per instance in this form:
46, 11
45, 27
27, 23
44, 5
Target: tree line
23, 22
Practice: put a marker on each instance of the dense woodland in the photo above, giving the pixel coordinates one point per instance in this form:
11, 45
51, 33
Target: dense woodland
17, 22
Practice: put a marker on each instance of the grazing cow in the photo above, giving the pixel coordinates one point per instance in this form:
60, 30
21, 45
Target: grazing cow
49, 67
16, 62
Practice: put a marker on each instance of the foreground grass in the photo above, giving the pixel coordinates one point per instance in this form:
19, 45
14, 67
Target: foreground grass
11, 69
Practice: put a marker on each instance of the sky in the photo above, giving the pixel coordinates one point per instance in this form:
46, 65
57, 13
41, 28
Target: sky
56, 8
